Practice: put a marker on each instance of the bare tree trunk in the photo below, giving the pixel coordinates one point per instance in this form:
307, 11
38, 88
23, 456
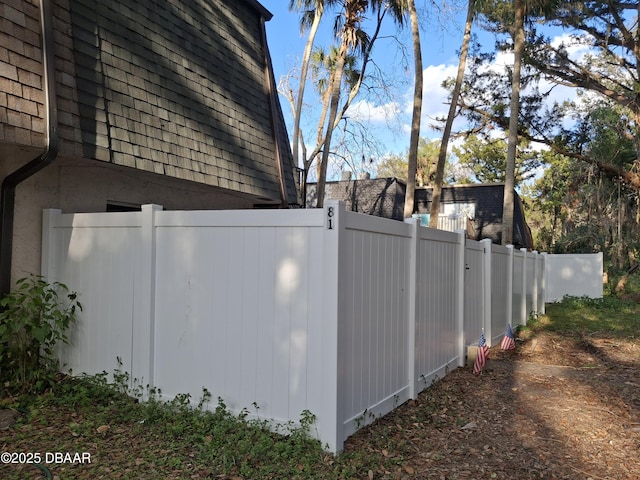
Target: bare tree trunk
303, 80
409, 199
509, 184
446, 134
326, 98
620, 286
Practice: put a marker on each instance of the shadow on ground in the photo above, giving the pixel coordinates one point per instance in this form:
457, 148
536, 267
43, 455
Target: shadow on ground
555, 407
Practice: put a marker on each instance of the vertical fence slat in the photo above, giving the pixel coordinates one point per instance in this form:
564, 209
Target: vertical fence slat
412, 298
333, 411
488, 287
142, 354
510, 287
542, 283
459, 290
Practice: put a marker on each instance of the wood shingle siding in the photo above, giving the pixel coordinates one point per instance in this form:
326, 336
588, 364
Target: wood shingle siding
21, 94
177, 88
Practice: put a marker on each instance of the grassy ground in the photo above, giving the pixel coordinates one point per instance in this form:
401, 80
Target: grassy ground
130, 439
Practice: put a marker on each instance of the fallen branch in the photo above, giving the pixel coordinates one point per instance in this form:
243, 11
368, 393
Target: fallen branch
623, 281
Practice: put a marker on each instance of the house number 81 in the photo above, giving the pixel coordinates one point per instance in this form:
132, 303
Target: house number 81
330, 218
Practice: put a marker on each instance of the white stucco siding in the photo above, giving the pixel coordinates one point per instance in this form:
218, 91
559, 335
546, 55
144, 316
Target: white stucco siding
85, 186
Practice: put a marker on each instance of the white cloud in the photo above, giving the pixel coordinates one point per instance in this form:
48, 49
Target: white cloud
575, 49
365, 111
435, 101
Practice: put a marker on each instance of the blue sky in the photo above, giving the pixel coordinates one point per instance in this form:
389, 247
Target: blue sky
439, 57
286, 44
441, 35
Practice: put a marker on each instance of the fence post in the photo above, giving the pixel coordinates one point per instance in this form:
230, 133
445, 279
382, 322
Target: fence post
509, 286
487, 287
143, 333
412, 298
48, 243
543, 293
534, 287
331, 419
523, 300
462, 245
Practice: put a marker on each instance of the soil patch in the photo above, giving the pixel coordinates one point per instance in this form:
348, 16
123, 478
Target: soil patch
556, 408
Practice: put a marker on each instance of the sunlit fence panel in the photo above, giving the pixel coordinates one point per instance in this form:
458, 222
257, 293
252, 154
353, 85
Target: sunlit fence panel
475, 290
373, 330
573, 275
436, 320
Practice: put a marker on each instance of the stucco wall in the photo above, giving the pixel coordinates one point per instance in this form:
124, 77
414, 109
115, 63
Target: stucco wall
82, 186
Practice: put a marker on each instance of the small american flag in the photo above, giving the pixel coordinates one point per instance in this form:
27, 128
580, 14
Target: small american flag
508, 342
481, 356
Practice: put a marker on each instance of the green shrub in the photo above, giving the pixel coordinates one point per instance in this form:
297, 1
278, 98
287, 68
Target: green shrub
34, 318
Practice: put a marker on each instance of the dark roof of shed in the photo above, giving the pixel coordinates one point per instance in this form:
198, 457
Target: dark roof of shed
488, 199
384, 197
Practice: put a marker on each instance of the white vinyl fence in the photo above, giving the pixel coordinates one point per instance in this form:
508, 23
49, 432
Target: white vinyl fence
328, 311
574, 275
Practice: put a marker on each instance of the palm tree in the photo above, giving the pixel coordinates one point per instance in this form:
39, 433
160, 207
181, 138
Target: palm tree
521, 9
446, 134
312, 14
321, 61
340, 63
351, 38
398, 9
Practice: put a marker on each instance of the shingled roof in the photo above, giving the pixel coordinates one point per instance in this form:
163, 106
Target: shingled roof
179, 88
487, 199
384, 197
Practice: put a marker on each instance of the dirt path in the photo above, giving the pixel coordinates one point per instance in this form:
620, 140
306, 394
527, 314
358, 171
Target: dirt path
554, 408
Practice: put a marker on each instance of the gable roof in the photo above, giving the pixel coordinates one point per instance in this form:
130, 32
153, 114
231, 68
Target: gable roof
180, 88
384, 197
487, 199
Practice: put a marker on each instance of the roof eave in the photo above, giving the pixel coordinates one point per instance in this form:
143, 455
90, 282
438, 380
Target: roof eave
266, 14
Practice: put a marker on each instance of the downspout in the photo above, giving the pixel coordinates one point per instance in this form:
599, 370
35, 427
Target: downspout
271, 91
11, 181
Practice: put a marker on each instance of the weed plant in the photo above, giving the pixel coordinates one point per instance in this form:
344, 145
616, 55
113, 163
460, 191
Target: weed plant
34, 318
188, 433
203, 438
611, 315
